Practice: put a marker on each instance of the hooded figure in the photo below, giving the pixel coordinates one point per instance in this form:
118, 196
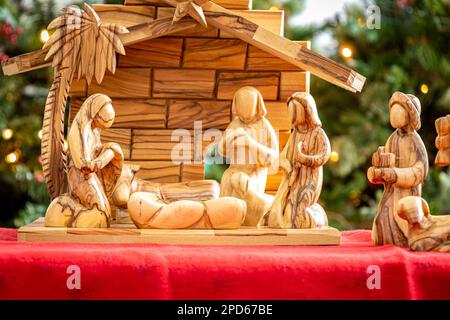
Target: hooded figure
401, 176
307, 150
93, 169
251, 145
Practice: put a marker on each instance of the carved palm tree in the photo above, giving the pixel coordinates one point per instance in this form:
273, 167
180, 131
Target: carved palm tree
80, 46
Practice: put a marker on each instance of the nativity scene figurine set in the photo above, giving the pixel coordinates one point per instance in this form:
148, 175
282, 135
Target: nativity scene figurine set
96, 178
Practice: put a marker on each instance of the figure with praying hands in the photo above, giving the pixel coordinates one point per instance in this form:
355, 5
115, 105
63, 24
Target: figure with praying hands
251, 145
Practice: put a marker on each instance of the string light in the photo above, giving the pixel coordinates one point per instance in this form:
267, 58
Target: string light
346, 52
424, 88
7, 134
361, 22
12, 157
66, 146
334, 156
40, 134
44, 36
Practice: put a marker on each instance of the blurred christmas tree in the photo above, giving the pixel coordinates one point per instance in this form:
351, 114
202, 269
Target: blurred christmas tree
22, 191
409, 51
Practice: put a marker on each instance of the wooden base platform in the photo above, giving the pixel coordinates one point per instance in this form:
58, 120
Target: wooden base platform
128, 233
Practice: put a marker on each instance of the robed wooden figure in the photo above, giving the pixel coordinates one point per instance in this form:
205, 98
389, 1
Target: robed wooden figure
93, 169
302, 159
401, 166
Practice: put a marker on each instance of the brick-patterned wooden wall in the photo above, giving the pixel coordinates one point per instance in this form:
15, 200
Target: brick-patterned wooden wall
168, 83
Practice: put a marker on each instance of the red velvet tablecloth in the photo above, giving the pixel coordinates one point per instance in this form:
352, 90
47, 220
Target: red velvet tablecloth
142, 271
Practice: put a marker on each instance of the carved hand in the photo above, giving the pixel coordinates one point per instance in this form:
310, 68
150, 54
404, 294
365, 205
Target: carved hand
89, 166
301, 157
381, 175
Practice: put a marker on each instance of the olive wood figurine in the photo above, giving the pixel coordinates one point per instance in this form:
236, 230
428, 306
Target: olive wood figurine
93, 169
251, 145
425, 232
183, 205
148, 211
401, 166
307, 150
443, 141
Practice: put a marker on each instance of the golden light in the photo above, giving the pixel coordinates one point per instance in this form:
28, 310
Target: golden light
40, 134
66, 146
7, 134
346, 52
334, 156
424, 88
274, 8
12, 157
44, 36
361, 22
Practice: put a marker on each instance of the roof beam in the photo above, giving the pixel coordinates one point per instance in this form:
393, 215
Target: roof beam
281, 47
155, 29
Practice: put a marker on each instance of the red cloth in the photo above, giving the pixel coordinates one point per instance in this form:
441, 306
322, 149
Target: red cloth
142, 271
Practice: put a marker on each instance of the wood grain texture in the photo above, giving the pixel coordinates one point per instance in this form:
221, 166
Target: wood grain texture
158, 145
302, 160
292, 82
273, 181
260, 60
215, 54
197, 31
119, 136
125, 83
266, 82
161, 53
78, 88
251, 144
132, 113
401, 167
242, 28
277, 114
212, 114
119, 233
172, 83
281, 47
80, 45
192, 172
269, 19
443, 141
158, 171
94, 166
230, 4
126, 16
25, 62
426, 232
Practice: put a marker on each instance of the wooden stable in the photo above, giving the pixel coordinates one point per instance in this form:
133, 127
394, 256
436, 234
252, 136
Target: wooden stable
127, 233
168, 83
172, 65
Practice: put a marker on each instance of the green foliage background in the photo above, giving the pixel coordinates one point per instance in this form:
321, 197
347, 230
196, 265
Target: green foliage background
410, 49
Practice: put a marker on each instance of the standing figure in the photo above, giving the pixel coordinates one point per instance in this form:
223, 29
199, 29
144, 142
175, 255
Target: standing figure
251, 145
93, 169
401, 166
307, 150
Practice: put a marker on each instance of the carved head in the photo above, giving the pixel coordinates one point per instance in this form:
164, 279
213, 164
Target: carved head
413, 209
303, 111
404, 111
96, 110
248, 105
